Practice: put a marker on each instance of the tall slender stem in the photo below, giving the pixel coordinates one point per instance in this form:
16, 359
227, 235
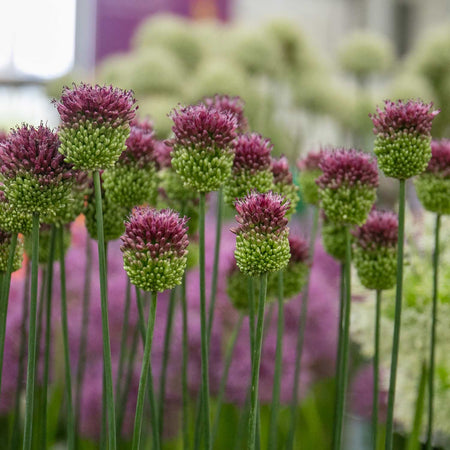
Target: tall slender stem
272, 442
65, 334
212, 298
32, 336
104, 306
397, 318
184, 367
48, 328
166, 354
301, 335
256, 363
144, 372
203, 324
376, 366
433, 332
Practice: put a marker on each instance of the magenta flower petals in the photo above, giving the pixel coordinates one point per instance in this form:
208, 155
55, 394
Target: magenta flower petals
232, 105
283, 182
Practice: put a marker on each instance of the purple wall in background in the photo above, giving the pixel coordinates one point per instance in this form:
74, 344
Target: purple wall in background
117, 19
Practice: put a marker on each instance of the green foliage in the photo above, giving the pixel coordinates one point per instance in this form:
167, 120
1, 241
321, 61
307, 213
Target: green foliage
44, 243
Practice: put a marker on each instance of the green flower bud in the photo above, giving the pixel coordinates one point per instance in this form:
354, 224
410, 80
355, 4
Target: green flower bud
5, 245
333, 239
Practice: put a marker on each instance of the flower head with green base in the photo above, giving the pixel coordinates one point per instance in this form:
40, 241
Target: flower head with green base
283, 182
12, 220
34, 174
309, 172
433, 185
154, 248
251, 167
402, 144
95, 124
132, 180
5, 245
262, 244
347, 186
375, 250
233, 105
203, 147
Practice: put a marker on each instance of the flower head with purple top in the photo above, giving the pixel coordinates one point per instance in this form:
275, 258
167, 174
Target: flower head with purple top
283, 182
403, 135
203, 146
433, 185
95, 124
227, 104
154, 248
347, 186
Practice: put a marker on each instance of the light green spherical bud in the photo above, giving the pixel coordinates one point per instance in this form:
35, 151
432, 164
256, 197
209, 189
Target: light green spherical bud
333, 238
13, 220
309, 190
290, 192
5, 246
294, 278
433, 192
237, 290
243, 182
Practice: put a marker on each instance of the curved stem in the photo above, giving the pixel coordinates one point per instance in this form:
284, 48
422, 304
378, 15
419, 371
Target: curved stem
184, 377
32, 336
272, 444
376, 365
104, 305
433, 332
397, 318
144, 372
166, 354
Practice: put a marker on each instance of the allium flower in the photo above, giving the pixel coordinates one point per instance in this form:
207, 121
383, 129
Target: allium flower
375, 250
35, 176
5, 244
347, 186
203, 146
333, 238
262, 244
309, 172
433, 186
11, 219
154, 248
251, 167
402, 144
283, 182
95, 124
233, 105
132, 180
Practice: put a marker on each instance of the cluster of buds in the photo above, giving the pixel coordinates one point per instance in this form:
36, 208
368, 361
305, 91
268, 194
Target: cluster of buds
283, 182
154, 248
309, 172
11, 219
433, 185
231, 105
375, 250
5, 245
333, 238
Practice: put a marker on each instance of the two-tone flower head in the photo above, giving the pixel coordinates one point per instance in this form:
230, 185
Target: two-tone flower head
203, 147
403, 136
375, 250
251, 167
154, 248
283, 182
5, 245
433, 185
132, 180
262, 244
95, 123
227, 104
347, 186
35, 177
309, 171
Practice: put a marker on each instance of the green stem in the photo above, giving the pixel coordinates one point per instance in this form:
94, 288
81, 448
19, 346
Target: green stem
166, 354
376, 365
104, 425
184, 376
272, 443
224, 378
144, 372
48, 328
32, 336
301, 335
212, 301
65, 334
433, 333
104, 305
251, 314
397, 318
203, 324
256, 363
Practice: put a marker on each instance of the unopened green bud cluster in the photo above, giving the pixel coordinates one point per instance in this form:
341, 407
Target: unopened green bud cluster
333, 239
5, 245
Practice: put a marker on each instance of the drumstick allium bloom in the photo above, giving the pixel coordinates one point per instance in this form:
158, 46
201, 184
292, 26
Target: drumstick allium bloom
309, 172
154, 248
95, 123
283, 182
233, 105
402, 144
347, 186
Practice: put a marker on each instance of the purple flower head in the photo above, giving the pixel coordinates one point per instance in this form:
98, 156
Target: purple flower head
380, 230
233, 105
440, 158
203, 127
3, 135
140, 144
156, 232
343, 167
162, 154
311, 161
261, 213
252, 153
281, 171
413, 117
101, 105
299, 249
